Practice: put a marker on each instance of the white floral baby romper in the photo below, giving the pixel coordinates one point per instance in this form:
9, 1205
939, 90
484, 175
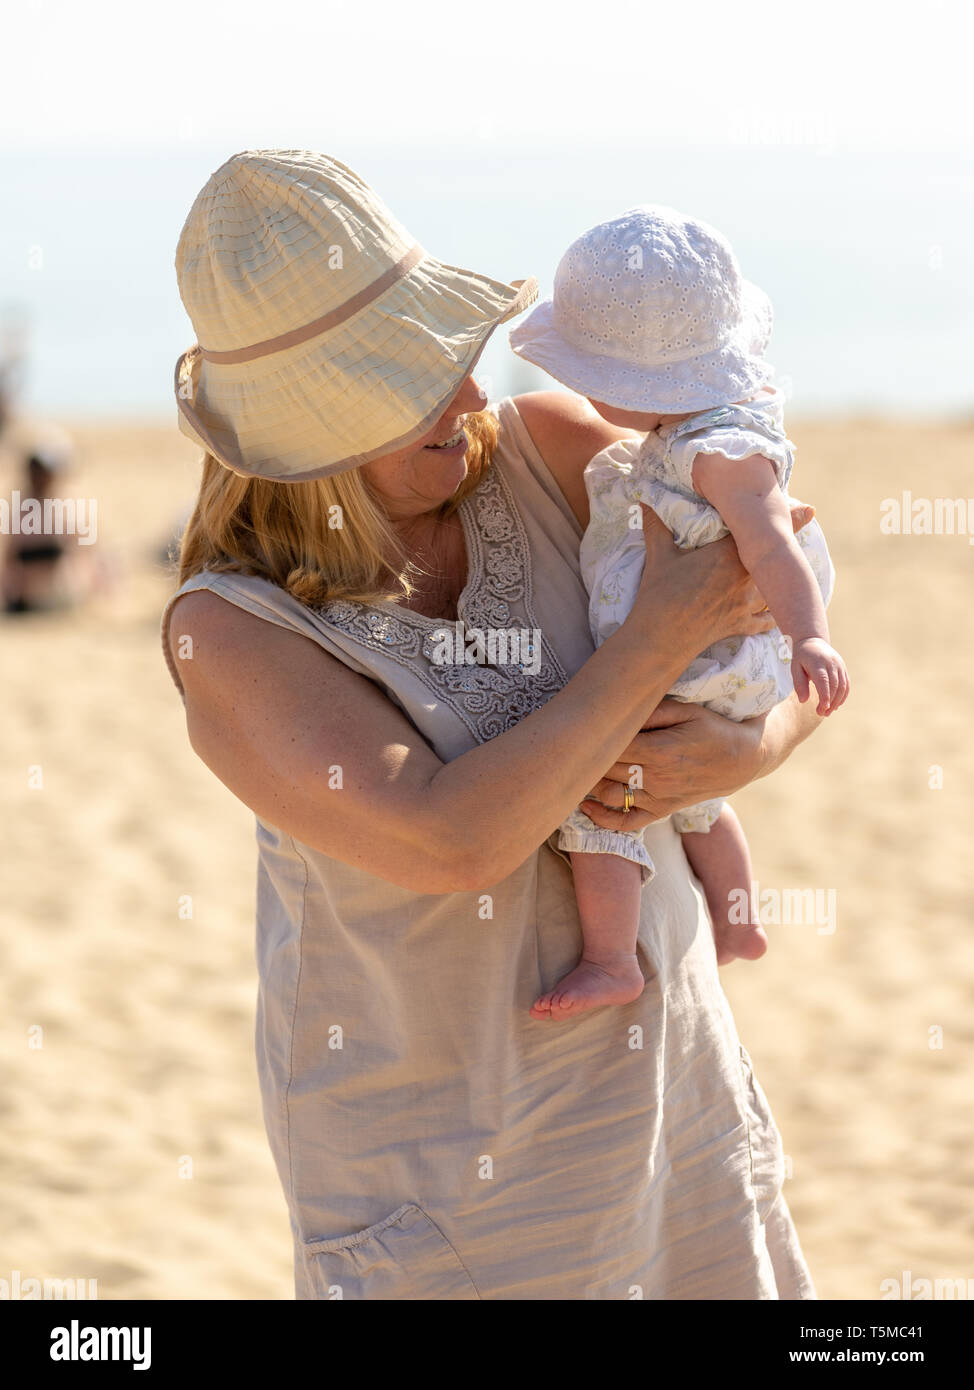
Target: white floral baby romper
738, 677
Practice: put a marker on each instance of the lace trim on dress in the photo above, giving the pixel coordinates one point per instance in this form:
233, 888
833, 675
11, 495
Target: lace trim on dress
489, 699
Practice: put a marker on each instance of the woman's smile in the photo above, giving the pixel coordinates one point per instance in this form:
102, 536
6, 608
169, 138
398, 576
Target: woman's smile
453, 447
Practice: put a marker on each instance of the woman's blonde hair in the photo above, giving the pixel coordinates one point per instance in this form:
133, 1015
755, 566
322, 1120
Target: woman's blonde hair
324, 539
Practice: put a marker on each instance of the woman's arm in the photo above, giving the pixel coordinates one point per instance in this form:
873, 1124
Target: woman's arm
272, 715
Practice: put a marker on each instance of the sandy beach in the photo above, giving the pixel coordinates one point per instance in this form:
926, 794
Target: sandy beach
132, 1149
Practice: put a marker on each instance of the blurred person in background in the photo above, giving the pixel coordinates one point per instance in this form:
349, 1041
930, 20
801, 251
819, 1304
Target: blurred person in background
40, 569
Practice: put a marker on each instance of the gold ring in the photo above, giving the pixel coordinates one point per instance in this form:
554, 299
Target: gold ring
629, 800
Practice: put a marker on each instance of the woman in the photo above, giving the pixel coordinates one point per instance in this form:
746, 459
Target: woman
434, 1141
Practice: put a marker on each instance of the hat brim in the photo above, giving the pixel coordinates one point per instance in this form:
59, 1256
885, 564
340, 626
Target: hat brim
716, 378
375, 384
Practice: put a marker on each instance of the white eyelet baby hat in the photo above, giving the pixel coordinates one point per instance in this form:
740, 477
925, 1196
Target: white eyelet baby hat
650, 312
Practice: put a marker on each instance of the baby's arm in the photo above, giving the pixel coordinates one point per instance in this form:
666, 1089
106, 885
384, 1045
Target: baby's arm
756, 512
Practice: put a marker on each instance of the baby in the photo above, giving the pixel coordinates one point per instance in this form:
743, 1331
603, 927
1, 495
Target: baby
651, 321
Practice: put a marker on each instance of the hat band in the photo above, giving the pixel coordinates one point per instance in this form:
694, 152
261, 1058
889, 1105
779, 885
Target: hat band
330, 320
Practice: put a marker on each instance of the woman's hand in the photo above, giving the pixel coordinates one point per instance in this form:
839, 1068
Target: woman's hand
685, 754
709, 588
698, 595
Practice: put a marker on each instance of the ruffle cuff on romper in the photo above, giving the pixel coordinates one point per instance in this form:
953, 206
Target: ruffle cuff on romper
697, 820
579, 835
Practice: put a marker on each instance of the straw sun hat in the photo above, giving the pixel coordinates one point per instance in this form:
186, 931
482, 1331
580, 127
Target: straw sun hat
650, 313
327, 336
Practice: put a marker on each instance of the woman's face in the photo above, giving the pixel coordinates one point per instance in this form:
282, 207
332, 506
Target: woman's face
421, 477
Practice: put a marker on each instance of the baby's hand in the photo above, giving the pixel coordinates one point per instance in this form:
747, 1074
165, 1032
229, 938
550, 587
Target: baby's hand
813, 660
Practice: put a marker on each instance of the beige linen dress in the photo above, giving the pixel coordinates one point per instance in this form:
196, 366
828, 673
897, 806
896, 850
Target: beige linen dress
433, 1140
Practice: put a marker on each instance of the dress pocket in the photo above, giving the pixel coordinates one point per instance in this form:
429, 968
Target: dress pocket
764, 1141
404, 1257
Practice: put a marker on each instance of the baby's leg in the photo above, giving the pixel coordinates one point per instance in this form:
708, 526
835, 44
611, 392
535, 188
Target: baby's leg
608, 889
722, 862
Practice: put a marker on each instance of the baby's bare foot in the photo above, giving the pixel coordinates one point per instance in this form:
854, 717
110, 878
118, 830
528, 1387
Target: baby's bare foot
592, 984
740, 943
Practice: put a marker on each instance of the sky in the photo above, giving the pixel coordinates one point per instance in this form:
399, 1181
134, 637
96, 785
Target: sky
833, 142
886, 75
